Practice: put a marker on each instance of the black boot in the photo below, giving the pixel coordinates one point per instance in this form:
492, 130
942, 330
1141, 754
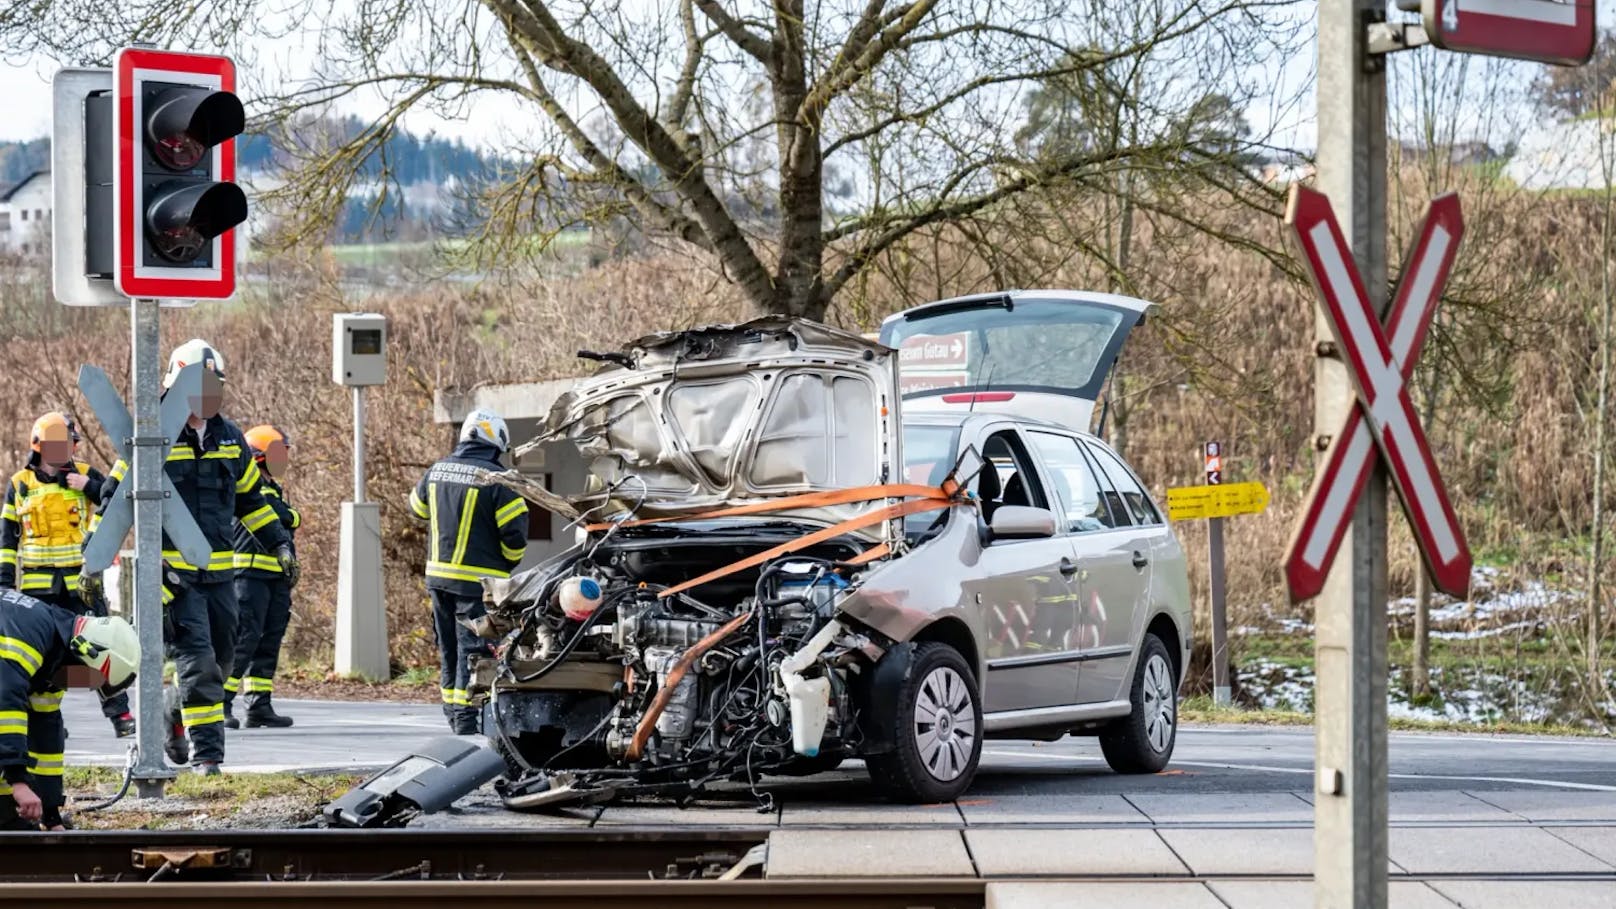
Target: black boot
467, 721
176, 746
262, 713
124, 726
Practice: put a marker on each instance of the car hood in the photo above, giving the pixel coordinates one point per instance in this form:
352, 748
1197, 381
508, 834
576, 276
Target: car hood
690, 421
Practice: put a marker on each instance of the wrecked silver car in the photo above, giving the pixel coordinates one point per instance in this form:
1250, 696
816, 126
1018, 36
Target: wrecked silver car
781, 568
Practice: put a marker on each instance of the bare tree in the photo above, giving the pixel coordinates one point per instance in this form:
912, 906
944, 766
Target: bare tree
726, 116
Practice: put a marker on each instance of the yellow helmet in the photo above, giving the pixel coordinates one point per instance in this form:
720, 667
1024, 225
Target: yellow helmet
52, 427
109, 645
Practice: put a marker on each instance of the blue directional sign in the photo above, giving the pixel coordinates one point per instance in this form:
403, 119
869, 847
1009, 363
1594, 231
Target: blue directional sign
178, 522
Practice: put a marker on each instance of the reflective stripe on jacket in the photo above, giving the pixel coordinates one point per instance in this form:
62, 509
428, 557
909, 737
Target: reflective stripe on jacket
33, 646
43, 523
478, 527
218, 480
252, 558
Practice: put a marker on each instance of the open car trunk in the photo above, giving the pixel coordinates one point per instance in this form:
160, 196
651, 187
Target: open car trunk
1041, 354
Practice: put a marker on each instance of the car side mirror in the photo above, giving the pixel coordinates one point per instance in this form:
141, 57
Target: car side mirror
1020, 522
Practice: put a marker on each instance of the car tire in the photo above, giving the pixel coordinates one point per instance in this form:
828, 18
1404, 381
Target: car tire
1142, 741
926, 764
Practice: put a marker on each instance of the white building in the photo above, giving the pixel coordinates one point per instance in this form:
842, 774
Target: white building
25, 211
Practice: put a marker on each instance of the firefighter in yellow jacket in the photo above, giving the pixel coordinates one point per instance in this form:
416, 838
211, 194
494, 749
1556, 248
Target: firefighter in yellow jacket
47, 511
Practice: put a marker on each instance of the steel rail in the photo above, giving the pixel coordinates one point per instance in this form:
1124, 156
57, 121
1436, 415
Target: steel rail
906, 893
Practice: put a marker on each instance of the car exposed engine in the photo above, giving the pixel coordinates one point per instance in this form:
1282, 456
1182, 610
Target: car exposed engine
697, 692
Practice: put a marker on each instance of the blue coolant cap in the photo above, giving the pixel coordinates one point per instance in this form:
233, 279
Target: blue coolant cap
589, 588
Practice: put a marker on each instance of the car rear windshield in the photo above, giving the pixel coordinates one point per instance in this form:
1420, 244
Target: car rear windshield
1035, 345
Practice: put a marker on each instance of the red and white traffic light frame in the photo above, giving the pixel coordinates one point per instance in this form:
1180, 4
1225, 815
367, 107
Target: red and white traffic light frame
1380, 362
1549, 31
133, 68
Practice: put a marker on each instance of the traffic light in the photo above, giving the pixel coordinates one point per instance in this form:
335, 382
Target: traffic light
143, 169
186, 207
175, 118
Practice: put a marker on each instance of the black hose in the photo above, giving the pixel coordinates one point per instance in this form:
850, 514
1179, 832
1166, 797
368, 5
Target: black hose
128, 778
572, 644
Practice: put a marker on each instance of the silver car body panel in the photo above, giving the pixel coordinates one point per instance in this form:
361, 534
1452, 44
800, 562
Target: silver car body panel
732, 415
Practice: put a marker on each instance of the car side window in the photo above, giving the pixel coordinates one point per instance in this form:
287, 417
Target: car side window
1128, 490
1009, 476
1075, 482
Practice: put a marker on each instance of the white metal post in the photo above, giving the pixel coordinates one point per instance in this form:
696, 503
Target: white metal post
358, 444
1350, 650
149, 451
361, 638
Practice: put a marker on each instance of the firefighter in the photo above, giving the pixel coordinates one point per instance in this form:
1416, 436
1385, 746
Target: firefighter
219, 482
263, 591
478, 530
36, 638
47, 511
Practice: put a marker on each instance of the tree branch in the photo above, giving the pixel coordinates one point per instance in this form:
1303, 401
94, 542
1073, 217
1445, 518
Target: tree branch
657, 214
754, 44
896, 230
685, 87
551, 45
856, 67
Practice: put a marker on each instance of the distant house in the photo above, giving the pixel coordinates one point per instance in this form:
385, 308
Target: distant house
1565, 155
25, 211
1469, 153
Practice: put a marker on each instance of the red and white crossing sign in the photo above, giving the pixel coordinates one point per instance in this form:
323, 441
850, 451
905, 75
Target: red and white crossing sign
1214, 463
1380, 362
1549, 31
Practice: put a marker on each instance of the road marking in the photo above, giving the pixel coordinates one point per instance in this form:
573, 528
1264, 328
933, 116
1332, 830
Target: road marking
1308, 771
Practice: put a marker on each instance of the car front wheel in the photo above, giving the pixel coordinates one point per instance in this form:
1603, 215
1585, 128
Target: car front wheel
938, 730
1142, 741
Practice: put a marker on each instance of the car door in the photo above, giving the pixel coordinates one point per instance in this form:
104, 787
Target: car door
1115, 577
1025, 589
1090, 527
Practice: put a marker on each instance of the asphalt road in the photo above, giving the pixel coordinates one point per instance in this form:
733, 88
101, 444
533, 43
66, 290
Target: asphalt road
1207, 760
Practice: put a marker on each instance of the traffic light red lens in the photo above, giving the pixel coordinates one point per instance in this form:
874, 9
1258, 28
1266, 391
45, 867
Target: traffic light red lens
179, 151
179, 244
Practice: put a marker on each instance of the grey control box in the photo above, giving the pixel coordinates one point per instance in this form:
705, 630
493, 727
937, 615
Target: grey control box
359, 348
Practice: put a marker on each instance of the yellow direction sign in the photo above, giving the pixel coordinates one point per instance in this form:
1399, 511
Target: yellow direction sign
1189, 503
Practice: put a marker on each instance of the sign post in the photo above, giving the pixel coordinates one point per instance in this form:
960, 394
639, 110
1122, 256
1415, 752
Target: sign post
1221, 690
1349, 805
1214, 502
1347, 508
143, 165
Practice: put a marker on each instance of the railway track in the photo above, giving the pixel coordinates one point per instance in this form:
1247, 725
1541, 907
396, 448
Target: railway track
406, 869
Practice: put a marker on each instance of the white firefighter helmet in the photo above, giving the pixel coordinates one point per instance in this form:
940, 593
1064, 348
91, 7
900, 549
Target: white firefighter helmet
195, 350
486, 426
109, 645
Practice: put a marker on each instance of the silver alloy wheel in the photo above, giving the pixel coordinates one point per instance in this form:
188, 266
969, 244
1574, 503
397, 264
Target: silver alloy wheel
1160, 709
945, 724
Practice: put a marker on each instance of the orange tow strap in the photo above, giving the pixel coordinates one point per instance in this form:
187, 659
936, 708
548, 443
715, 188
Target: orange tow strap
806, 500
933, 503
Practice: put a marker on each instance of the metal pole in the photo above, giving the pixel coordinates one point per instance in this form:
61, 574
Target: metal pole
358, 444
1350, 650
1220, 617
149, 452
